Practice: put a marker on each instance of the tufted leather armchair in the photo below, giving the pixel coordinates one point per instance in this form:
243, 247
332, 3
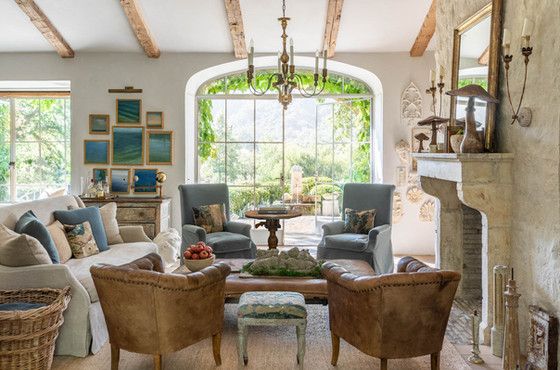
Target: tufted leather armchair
148, 311
391, 316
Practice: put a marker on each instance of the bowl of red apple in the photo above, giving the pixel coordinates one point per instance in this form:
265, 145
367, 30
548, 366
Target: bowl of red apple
198, 256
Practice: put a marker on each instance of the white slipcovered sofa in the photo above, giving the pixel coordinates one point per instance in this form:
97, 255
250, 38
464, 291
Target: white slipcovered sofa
84, 329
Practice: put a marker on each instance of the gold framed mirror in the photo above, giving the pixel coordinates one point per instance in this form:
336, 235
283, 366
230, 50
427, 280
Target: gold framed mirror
476, 52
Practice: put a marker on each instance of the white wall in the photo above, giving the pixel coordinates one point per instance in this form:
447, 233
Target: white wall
164, 81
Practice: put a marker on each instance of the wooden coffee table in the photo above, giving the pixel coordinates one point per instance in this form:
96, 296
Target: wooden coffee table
272, 223
313, 289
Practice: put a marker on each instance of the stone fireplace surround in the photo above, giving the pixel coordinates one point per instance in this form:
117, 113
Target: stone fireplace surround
482, 182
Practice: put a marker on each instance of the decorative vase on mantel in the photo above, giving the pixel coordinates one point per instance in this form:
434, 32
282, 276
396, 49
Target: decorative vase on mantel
455, 142
471, 141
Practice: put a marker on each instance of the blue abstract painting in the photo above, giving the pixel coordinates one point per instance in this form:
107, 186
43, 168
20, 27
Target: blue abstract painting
129, 111
120, 181
96, 151
160, 147
145, 181
99, 174
128, 145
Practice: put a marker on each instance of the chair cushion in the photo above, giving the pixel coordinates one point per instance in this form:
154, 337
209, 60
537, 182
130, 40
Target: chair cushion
29, 224
349, 242
90, 214
223, 242
210, 217
358, 222
272, 305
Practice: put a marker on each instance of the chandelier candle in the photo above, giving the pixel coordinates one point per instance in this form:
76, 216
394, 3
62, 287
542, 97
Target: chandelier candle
286, 78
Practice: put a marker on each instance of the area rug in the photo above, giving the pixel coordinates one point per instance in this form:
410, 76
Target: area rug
269, 348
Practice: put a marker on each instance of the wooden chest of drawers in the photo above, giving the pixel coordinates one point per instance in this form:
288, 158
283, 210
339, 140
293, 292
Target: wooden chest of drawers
152, 213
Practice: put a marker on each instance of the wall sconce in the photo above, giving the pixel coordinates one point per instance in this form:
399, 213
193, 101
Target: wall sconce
522, 115
434, 88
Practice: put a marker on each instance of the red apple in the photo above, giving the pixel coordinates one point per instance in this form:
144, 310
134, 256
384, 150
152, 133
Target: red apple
204, 255
195, 257
209, 249
188, 254
201, 243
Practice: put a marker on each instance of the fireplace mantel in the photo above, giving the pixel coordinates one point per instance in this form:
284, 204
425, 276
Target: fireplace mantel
480, 181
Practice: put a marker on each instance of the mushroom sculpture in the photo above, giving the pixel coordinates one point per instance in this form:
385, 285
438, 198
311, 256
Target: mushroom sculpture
471, 141
435, 122
421, 137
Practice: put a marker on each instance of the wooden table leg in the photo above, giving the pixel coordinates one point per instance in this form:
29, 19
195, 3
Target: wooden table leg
272, 225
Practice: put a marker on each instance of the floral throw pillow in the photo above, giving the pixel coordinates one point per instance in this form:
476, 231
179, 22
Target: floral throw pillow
211, 217
80, 238
358, 222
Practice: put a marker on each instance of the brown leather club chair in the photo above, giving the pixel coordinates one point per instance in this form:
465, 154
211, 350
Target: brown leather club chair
149, 311
391, 316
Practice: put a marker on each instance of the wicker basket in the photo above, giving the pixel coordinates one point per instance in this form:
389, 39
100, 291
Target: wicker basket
27, 338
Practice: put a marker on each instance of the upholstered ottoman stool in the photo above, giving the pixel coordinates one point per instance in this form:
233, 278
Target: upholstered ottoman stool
271, 309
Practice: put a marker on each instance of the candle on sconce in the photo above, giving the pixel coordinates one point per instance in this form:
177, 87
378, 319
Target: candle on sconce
441, 72
316, 70
279, 62
292, 51
506, 42
251, 51
432, 76
325, 59
526, 32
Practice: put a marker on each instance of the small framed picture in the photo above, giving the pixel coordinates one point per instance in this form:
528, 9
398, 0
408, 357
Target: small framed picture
96, 151
129, 111
120, 180
154, 120
128, 145
99, 124
160, 147
145, 180
99, 174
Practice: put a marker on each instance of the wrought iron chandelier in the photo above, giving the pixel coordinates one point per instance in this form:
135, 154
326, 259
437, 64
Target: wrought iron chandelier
286, 79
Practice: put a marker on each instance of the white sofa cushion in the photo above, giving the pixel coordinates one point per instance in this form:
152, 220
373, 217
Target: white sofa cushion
119, 254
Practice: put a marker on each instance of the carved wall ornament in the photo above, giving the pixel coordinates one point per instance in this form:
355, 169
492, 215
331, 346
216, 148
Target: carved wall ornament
542, 344
401, 176
413, 179
427, 211
403, 151
411, 105
398, 210
414, 194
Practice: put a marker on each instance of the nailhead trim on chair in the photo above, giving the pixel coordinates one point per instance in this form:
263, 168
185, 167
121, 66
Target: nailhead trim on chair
156, 285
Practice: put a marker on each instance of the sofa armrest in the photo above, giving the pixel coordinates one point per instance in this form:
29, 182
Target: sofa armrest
333, 228
337, 274
238, 228
72, 339
133, 234
382, 248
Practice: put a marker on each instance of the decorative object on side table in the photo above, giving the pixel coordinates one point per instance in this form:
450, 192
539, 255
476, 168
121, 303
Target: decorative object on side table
498, 316
272, 223
475, 358
542, 344
434, 122
522, 115
161, 177
198, 256
471, 141
511, 359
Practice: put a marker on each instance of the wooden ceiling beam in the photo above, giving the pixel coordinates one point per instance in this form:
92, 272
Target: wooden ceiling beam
235, 21
47, 29
136, 19
334, 11
426, 32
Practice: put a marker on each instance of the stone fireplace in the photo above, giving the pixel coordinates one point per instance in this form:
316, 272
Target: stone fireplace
473, 214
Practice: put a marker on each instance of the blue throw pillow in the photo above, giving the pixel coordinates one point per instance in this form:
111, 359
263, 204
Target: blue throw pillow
81, 215
29, 224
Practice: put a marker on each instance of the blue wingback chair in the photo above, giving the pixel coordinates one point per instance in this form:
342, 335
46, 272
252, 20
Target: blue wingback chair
234, 242
375, 247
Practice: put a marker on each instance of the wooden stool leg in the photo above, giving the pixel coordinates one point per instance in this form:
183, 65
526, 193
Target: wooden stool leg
435, 361
300, 331
242, 342
335, 348
383, 364
115, 355
216, 344
157, 362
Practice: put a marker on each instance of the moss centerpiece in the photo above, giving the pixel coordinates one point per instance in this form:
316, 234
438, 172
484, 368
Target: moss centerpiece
295, 262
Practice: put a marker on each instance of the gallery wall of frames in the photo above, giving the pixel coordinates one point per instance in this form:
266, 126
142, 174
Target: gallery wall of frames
128, 151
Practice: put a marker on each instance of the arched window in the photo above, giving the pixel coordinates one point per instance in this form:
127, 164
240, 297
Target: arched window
300, 157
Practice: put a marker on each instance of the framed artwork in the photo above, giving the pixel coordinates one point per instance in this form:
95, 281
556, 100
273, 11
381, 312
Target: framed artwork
129, 111
100, 174
145, 180
154, 120
96, 151
160, 147
99, 124
128, 145
120, 180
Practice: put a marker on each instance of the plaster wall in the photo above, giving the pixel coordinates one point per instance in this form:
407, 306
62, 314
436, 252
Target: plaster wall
164, 81
535, 239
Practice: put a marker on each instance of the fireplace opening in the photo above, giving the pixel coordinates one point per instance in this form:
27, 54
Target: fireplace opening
472, 253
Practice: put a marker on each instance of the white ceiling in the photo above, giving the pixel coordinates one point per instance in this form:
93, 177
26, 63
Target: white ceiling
201, 26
